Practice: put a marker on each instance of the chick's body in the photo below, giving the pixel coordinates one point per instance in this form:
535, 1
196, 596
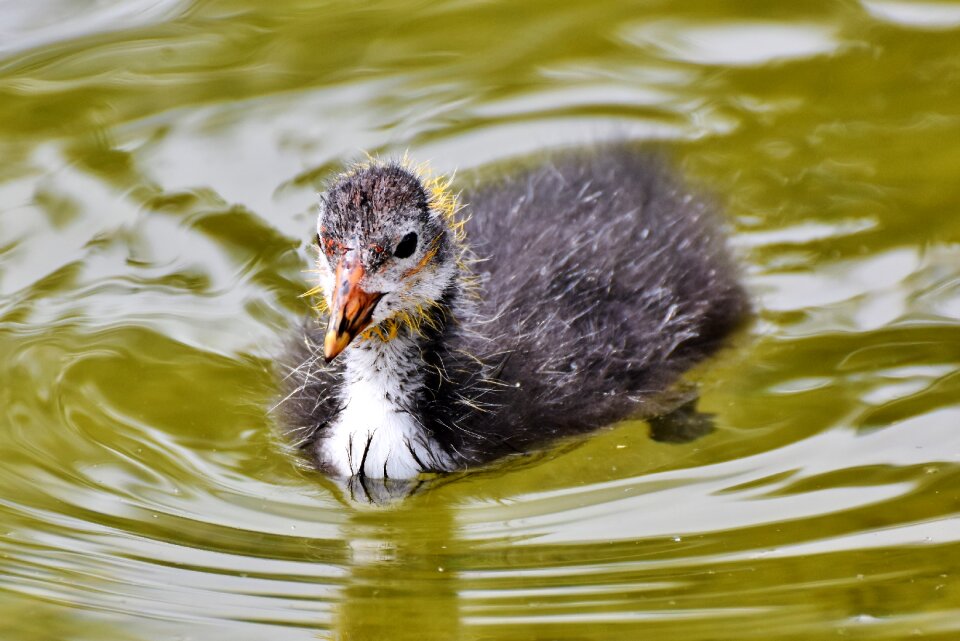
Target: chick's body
592, 281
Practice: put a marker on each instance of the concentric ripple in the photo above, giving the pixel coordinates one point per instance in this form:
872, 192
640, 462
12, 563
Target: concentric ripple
158, 169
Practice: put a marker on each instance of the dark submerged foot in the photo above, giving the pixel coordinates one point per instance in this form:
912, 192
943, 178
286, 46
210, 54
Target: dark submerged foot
681, 425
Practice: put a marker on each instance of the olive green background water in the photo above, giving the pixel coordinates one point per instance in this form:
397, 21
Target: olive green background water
158, 163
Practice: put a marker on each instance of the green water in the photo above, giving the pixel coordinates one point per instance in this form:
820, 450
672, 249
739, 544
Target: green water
158, 163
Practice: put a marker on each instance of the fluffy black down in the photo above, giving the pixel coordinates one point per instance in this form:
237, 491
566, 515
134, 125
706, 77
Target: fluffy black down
600, 279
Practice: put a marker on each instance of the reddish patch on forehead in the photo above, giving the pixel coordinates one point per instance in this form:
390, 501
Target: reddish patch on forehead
332, 246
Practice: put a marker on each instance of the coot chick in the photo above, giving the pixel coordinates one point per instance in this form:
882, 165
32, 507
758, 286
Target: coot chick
590, 283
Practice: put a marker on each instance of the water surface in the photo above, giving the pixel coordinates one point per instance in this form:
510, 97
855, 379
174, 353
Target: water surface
158, 168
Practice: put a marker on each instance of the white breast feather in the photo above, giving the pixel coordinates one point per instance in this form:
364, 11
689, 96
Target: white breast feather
373, 429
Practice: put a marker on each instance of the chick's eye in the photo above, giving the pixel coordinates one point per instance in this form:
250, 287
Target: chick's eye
406, 246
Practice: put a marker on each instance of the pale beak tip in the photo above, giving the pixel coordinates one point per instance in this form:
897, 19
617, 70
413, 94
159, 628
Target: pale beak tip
333, 344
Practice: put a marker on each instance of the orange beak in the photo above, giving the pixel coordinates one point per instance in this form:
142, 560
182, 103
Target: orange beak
352, 307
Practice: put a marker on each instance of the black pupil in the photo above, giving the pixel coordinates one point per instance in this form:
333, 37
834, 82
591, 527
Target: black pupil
406, 246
